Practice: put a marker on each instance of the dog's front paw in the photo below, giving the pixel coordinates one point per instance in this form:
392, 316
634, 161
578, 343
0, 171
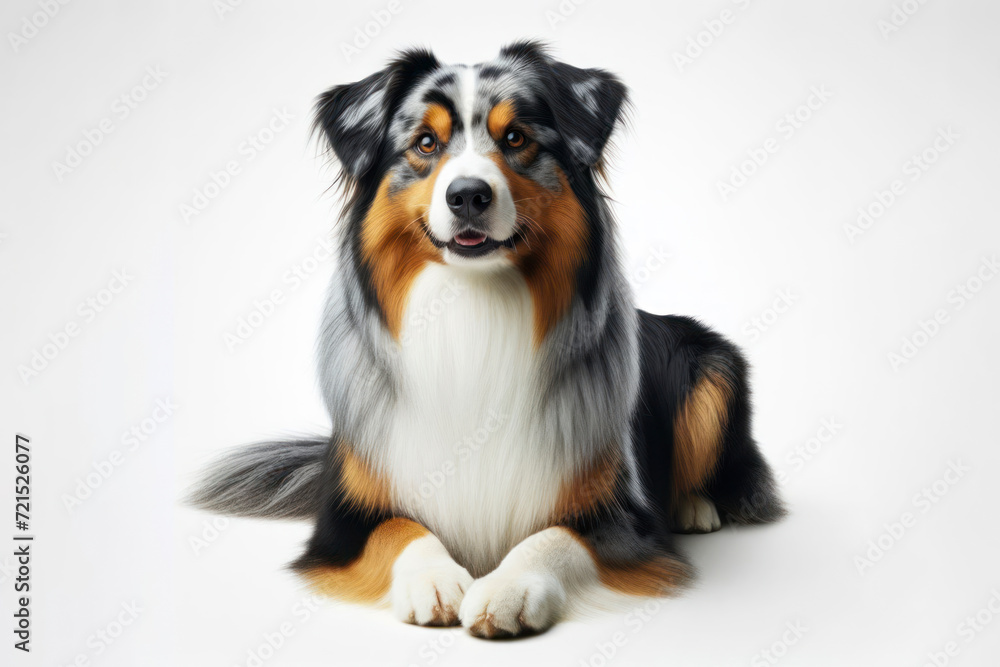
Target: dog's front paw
427, 585
697, 515
508, 605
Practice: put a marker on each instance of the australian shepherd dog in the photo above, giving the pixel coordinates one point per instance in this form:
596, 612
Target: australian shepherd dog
508, 430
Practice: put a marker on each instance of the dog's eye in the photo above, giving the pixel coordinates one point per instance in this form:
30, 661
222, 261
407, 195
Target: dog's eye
426, 143
514, 139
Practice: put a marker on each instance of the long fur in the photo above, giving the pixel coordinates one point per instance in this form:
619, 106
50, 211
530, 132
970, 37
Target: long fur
276, 480
605, 429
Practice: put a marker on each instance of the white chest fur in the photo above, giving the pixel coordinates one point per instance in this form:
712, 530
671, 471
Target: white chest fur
466, 454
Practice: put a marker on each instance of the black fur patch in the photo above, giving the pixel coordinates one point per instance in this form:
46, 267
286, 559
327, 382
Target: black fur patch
342, 529
676, 352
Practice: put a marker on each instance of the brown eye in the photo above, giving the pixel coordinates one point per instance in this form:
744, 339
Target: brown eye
426, 143
514, 139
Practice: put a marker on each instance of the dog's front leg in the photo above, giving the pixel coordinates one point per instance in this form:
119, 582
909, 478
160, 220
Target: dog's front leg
427, 584
530, 588
355, 558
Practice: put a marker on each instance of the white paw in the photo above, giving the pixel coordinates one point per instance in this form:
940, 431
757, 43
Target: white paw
502, 605
427, 585
697, 515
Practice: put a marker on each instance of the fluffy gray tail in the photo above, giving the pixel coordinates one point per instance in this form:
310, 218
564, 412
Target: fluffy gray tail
277, 480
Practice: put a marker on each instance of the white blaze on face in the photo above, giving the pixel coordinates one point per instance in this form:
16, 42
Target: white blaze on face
500, 219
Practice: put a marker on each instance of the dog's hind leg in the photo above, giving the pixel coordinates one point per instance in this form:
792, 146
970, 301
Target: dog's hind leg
701, 465
716, 458
699, 431
742, 484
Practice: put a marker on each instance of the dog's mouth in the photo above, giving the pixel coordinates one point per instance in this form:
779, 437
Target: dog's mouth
470, 238
472, 243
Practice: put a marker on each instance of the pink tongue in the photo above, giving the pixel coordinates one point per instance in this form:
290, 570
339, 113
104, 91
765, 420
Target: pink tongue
468, 238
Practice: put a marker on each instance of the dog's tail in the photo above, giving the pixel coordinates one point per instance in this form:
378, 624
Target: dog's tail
276, 480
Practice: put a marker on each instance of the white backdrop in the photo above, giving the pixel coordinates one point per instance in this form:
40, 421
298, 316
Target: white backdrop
117, 115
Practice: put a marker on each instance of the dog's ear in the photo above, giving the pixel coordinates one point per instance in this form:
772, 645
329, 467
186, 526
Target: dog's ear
587, 104
354, 118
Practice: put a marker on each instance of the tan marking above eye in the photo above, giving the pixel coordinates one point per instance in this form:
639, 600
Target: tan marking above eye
500, 118
438, 120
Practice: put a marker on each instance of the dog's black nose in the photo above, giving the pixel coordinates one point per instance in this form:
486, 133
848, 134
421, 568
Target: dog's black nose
468, 197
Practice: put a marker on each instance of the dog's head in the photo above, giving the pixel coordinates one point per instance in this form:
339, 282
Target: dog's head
485, 166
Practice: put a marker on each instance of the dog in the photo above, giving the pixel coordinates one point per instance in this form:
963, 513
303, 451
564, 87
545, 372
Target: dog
509, 431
